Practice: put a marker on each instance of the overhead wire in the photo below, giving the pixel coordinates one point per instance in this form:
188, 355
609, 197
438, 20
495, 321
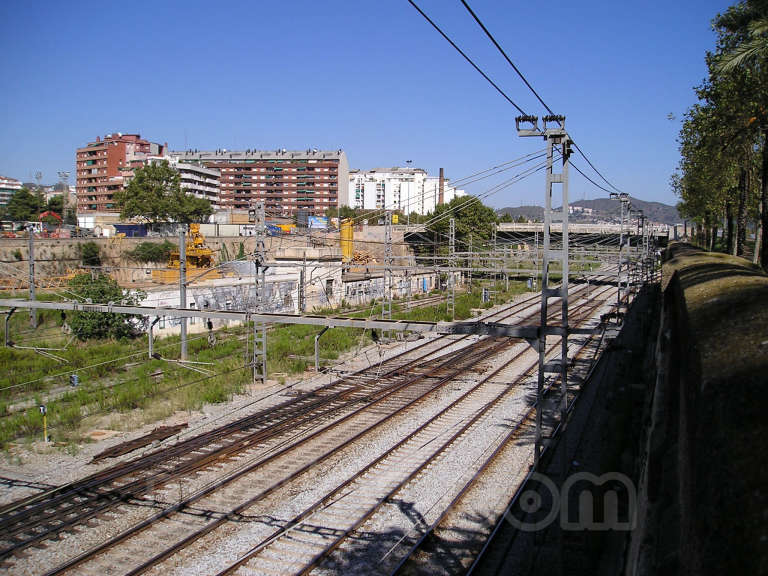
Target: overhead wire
514, 67
471, 179
536, 94
470, 200
467, 58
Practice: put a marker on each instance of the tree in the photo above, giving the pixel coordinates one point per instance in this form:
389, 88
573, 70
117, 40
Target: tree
473, 220
752, 48
155, 195
743, 44
344, 212
24, 206
186, 208
70, 216
56, 204
103, 289
90, 254
721, 134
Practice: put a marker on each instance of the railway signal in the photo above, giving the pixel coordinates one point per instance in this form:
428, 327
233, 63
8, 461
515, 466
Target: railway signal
44, 412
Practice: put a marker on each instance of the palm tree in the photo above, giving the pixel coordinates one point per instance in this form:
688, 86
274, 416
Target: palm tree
752, 51
743, 43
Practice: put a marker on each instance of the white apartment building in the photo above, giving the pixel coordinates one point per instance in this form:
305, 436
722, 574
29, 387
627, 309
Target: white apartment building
196, 179
8, 187
405, 189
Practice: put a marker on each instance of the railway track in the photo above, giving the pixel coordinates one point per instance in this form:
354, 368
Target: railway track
92, 562
452, 541
313, 535
38, 518
267, 442
284, 466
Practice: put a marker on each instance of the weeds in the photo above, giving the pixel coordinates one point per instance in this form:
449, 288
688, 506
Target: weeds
116, 377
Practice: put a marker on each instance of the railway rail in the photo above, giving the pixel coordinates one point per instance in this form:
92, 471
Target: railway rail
452, 541
362, 401
325, 525
37, 518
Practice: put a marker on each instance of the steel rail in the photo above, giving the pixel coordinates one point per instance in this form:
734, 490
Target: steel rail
135, 487
494, 347
189, 444
508, 311
548, 450
241, 508
332, 495
453, 505
78, 488
125, 494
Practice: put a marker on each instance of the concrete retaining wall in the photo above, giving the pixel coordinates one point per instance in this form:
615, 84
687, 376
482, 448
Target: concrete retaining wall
54, 257
704, 484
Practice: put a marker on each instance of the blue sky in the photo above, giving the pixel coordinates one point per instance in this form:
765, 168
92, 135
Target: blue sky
369, 76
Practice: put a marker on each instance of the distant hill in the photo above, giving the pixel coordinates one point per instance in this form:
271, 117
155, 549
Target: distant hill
532, 213
602, 209
654, 211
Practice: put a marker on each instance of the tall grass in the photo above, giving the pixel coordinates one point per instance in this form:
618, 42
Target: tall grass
109, 387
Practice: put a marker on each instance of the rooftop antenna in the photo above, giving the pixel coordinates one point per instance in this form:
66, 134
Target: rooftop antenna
38, 177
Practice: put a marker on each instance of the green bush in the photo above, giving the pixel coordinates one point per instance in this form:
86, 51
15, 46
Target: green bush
89, 252
102, 289
151, 251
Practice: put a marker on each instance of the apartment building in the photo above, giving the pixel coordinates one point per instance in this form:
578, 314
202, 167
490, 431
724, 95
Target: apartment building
406, 189
196, 179
8, 187
285, 180
102, 167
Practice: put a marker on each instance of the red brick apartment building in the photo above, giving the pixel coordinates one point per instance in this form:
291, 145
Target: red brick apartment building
286, 180
102, 165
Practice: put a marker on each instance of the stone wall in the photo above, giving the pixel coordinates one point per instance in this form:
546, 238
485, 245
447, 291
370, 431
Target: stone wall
704, 484
55, 257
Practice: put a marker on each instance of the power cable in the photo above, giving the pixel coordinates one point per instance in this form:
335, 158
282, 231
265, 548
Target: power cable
536, 94
530, 87
503, 53
467, 58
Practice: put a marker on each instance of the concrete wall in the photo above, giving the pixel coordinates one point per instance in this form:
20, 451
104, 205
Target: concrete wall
55, 257
361, 292
704, 486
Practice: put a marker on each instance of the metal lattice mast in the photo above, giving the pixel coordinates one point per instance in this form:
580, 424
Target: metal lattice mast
260, 328
623, 199
31, 249
183, 290
495, 255
557, 139
644, 233
302, 286
451, 264
408, 290
386, 306
536, 260
470, 262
